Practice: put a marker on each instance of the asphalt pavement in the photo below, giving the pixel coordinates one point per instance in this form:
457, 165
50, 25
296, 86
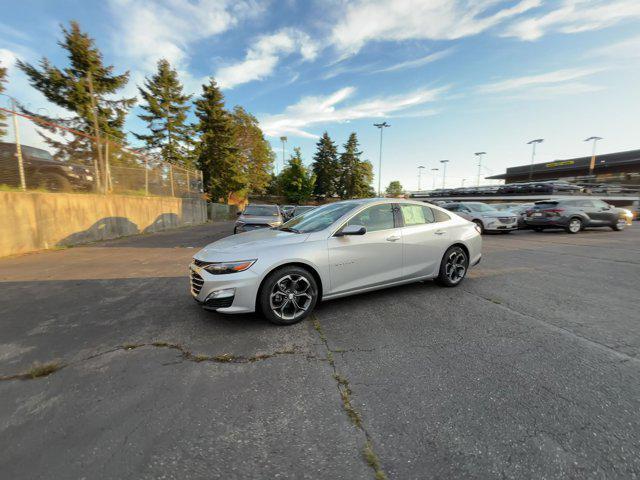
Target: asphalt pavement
529, 369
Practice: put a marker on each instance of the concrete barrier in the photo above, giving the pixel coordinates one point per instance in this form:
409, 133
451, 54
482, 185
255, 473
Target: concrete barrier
37, 220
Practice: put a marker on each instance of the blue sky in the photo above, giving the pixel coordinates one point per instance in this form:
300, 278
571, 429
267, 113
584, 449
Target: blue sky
451, 77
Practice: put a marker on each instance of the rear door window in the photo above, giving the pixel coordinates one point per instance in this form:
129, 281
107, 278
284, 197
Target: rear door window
440, 216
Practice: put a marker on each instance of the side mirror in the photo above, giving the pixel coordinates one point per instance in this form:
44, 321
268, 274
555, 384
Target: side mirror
352, 230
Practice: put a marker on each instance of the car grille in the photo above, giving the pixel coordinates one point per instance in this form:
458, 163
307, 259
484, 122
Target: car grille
219, 302
196, 283
507, 219
254, 226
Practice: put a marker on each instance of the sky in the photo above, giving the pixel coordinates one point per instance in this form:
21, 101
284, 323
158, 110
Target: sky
451, 77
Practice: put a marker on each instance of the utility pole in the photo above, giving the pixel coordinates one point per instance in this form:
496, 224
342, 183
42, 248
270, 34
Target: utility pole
444, 171
462, 183
283, 140
381, 126
97, 164
420, 168
592, 165
16, 133
434, 170
479, 155
533, 154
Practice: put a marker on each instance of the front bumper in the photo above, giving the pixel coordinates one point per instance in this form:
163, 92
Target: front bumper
204, 286
498, 225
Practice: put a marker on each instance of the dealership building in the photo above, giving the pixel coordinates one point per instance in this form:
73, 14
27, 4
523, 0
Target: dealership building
620, 167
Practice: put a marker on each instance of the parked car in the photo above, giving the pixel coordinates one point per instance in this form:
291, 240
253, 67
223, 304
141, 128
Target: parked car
301, 209
487, 218
338, 249
505, 206
520, 211
574, 215
258, 216
41, 170
287, 210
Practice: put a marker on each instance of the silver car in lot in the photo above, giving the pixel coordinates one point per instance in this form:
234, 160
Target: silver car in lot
485, 216
333, 251
255, 216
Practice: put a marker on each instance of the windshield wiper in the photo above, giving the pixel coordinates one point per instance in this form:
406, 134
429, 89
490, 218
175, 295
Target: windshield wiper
289, 229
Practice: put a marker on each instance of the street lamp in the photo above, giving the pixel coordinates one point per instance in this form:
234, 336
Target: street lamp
381, 126
434, 170
592, 165
283, 140
444, 170
420, 168
533, 154
479, 155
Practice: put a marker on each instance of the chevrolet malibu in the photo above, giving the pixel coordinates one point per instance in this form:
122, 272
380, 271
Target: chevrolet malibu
333, 251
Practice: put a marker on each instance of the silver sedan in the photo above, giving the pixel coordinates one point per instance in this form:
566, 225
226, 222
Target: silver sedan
333, 251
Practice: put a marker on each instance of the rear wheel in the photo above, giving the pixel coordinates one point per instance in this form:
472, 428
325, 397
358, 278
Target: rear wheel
575, 225
538, 229
453, 267
53, 182
288, 295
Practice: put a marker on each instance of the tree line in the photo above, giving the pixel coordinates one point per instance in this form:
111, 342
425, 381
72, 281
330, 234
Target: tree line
228, 146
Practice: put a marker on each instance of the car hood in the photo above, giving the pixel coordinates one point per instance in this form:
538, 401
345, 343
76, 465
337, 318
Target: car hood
249, 243
258, 219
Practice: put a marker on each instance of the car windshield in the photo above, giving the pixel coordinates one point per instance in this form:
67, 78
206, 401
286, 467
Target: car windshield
318, 218
479, 207
261, 210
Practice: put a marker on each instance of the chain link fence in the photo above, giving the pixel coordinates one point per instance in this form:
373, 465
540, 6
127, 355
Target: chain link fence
37, 154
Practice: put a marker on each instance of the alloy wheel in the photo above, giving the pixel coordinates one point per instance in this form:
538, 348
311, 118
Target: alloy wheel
291, 296
456, 266
575, 225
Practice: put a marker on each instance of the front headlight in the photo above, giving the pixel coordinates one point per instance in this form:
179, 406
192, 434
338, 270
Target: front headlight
222, 268
275, 224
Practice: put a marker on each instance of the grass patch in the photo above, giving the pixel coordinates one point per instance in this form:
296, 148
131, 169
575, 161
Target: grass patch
373, 461
224, 358
39, 370
132, 346
200, 358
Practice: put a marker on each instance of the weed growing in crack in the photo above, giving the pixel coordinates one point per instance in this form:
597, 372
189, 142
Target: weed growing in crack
43, 369
373, 461
224, 358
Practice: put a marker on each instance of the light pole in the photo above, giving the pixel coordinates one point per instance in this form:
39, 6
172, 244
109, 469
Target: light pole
444, 170
533, 154
592, 165
381, 126
479, 155
420, 168
283, 140
434, 170
462, 183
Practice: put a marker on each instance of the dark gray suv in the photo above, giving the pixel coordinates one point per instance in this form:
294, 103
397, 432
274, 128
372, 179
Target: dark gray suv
574, 215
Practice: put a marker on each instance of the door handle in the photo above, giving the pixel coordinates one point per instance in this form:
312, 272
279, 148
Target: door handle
393, 238
439, 232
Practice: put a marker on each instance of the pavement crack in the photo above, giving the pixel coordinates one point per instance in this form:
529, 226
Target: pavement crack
342, 384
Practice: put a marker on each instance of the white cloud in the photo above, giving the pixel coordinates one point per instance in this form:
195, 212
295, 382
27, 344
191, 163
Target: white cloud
628, 49
371, 20
263, 57
541, 80
316, 110
152, 29
575, 16
418, 62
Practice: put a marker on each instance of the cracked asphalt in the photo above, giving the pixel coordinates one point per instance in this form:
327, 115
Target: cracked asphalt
529, 369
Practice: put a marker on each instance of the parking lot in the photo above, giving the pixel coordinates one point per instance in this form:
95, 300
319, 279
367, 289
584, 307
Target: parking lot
529, 369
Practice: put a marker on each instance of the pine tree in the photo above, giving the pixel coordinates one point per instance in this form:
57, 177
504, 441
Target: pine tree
296, 182
255, 151
349, 161
325, 167
3, 117
363, 179
166, 110
218, 154
71, 88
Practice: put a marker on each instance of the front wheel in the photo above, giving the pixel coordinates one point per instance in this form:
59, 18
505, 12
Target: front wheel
575, 225
288, 295
618, 227
453, 267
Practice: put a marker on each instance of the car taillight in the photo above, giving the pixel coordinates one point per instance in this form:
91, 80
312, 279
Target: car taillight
555, 211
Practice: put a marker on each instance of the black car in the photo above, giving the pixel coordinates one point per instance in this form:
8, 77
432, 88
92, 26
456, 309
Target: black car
574, 215
41, 170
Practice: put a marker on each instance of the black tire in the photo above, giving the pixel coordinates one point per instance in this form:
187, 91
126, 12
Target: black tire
54, 182
235, 230
288, 281
619, 226
574, 226
537, 229
481, 225
447, 277
504, 232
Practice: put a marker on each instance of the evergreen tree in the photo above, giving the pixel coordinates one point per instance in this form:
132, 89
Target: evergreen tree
363, 177
349, 171
395, 189
85, 81
218, 155
3, 117
296, 181
255, 151
166, 110
326, 167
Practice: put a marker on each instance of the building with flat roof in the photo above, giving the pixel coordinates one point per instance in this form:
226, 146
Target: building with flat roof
619, 167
